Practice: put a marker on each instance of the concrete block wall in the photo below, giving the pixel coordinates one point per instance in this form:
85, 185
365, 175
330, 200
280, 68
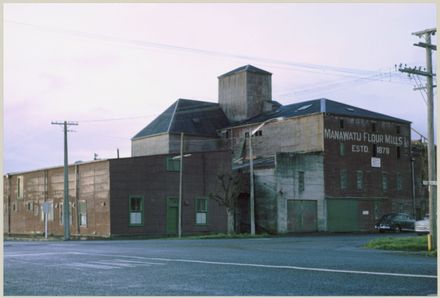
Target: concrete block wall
159, 144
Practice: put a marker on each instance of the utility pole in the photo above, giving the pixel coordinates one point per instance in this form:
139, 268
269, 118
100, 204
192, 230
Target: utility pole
66, 180
432, 179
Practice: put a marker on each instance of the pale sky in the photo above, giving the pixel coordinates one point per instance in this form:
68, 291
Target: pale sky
94, 62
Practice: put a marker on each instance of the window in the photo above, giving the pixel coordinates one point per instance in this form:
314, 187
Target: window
136, 210
398, 129
343, 179
373, 127
246, 134
258, 133
82, 210
384, 182
341, 149
398, 153
173, 165
359, 180
20, 187
374, 150
300, 181
30, 206
398, 182
201, 211
341, 123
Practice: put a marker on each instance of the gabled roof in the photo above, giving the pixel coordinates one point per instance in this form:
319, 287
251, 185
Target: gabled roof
248, 68
321, 105
188, 116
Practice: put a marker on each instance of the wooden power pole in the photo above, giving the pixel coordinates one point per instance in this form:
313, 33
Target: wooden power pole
66, 210
429, 74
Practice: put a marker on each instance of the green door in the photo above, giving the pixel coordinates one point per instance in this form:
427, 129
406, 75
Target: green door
342, 216
172, 216
301, 216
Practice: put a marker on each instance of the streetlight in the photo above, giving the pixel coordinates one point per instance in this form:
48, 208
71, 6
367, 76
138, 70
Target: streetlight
251, 164
179, 227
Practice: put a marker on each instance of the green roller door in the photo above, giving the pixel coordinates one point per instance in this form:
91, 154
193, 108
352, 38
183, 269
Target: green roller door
342, 216
301, 216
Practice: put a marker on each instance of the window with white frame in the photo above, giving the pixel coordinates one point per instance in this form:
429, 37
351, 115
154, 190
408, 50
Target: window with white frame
136, 210
201, 211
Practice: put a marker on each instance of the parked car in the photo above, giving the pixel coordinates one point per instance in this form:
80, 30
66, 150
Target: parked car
422, 226
395, 222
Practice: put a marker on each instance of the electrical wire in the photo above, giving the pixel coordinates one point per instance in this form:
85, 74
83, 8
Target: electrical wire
289, 64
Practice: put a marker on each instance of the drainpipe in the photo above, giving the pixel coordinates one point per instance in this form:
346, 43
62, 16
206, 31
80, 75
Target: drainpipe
413, 187
9, 203
77, 198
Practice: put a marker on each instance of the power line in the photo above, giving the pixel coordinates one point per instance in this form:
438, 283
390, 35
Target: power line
292, 65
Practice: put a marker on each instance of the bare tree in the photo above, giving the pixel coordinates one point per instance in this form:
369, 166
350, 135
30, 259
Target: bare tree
228, 196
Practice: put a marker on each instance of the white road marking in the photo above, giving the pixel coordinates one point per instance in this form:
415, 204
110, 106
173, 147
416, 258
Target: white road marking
40, 254
248, 265
111, 263
139, 262
297, 268
92, 266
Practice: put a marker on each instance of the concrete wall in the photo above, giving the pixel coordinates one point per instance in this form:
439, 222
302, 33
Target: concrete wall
275, 186
299, 134
196, 144
148, 177
159, 144
287, 167
243, 95
88, 182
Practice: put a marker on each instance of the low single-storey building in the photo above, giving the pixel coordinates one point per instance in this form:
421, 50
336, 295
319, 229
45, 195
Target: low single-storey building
135, 196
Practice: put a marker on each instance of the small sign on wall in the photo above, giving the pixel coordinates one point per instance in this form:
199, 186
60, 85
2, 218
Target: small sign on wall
375, 162
365, 212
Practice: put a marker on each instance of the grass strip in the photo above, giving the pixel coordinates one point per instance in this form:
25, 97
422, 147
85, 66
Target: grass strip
417, 243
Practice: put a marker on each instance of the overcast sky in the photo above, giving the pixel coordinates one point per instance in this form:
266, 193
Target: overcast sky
115, 67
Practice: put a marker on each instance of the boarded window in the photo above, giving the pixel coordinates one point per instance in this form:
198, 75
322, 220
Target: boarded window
359, 180
301, 181
136, 210
398, 129
384, 182
343, 179
341, 123
373, 127
82, 210
173, 165
201, 211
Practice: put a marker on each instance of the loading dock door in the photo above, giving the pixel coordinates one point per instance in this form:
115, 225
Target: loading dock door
301, 216
342, 216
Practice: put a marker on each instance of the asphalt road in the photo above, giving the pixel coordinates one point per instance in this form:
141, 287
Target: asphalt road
299, 265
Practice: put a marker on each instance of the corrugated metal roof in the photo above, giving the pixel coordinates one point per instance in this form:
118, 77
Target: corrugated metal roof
248, 68
188, 116
321, 105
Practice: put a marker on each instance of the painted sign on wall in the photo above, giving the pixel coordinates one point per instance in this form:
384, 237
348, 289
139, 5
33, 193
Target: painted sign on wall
373, 138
